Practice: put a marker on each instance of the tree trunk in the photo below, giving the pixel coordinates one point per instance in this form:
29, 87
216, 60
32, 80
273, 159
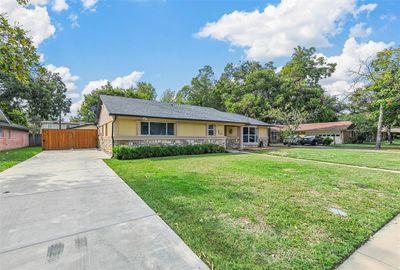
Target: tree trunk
59, 121
389, 134
379, 131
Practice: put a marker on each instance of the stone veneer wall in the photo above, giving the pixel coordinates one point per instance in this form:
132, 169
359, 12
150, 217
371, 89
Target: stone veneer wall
171, 141
105, 144
232, 143
264, 141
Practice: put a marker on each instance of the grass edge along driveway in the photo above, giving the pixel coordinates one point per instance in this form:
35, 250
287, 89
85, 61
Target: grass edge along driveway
9, 158
246, 211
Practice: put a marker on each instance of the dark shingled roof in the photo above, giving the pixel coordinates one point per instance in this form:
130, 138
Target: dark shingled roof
154, 109
13, 126
5, 122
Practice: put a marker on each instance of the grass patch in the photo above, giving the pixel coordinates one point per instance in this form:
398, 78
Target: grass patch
383, 160
10, 158
371, 145
249, 211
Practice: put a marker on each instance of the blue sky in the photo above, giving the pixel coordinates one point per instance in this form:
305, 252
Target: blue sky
165, 42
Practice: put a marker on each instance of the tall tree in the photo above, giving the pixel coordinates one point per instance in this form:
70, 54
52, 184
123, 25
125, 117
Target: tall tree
202, 90
381, 75
145, 90
301, 88
18, 55
27, 90
168, 96
89, 107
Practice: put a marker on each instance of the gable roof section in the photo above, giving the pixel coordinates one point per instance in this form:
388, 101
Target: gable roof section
5, 122
339, 125
155, 109
3, 118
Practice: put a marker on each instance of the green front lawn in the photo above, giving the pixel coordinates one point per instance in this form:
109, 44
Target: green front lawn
384, 160
249, 211
10, 158
385, 145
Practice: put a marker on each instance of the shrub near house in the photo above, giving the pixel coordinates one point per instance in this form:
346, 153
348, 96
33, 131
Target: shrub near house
129, 152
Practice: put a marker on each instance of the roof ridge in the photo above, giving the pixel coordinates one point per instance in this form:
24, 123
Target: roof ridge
161, 102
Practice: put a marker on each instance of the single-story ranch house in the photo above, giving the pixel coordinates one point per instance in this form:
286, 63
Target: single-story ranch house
11, 135
129, 121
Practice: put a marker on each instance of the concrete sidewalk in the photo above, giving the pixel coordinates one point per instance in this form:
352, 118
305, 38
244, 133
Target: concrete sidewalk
381, 252
69, 210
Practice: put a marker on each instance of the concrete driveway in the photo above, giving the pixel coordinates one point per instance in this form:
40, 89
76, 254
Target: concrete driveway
69, 210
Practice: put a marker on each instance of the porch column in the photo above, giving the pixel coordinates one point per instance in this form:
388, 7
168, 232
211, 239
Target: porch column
240, 138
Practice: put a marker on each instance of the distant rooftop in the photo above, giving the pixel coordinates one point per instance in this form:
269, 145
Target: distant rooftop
339, 125
154, 109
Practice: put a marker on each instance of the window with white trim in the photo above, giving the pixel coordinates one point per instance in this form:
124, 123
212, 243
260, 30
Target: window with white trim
211, 130
157, 128
1, 132
249, 135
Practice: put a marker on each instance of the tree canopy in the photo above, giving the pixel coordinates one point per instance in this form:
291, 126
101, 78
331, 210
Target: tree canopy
89, 107
256, 89
28, 92
380, 95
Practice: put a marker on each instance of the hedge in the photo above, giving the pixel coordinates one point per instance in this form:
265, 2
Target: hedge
138, 152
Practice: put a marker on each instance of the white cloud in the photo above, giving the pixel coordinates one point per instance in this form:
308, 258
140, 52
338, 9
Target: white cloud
359, 30
41, 58
59, 5
122, 82
34, 18
92, 85
38, 2
73, 95
75, 107
66, 76
276, 30
389, 17
74, 20
128, 80
340, 83
89, 4
365, 8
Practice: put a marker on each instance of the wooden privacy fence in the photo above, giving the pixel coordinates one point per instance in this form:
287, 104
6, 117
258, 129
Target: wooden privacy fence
60, 139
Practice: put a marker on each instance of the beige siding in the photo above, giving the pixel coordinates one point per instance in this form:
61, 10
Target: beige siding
104, 117
262, 132
126, 127
220, 130
191, 129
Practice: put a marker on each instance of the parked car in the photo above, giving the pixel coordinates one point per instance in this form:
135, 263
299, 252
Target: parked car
293, 140
312, 140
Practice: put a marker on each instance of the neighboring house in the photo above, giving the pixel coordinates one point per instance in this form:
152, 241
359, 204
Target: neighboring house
128, 121
64, 125
395, 132
340, 131
275, 135
11, 135
84, 126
